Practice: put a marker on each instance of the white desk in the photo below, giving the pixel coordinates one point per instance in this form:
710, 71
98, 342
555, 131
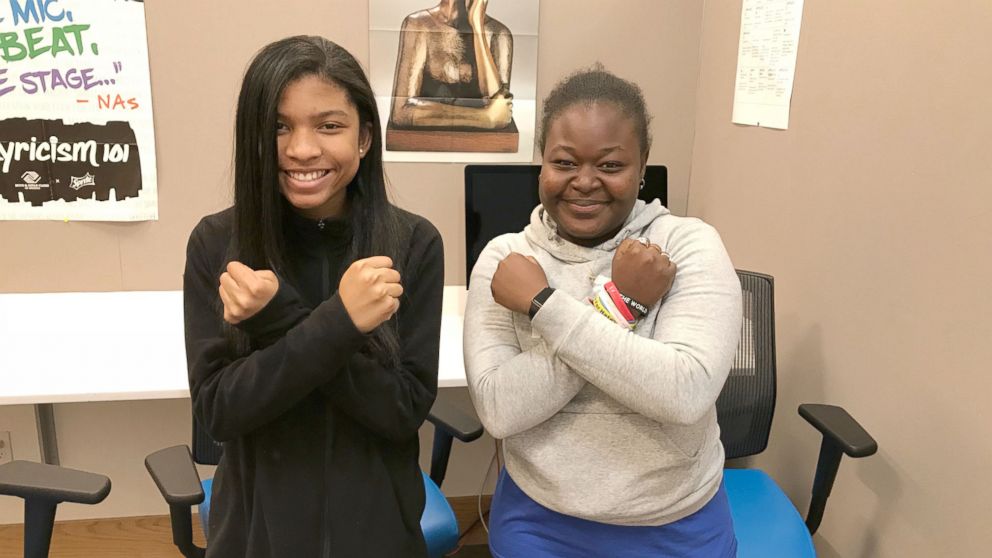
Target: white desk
73, 347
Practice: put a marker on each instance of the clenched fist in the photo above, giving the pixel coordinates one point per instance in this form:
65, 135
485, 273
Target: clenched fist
517, 280
244, 291
370, 290
644, 273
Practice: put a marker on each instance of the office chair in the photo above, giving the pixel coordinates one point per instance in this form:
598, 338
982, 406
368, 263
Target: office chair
175, 474
43, 487
765, 521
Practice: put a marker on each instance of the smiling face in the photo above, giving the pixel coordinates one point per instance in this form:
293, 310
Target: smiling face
321, 141
591, 171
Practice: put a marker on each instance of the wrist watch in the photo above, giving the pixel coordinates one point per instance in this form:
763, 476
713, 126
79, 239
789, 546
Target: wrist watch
538, 301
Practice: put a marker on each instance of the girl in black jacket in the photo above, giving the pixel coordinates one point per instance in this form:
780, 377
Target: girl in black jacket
313, 310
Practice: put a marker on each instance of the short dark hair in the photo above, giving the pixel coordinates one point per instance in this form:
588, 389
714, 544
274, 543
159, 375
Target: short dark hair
259, 206
597, 85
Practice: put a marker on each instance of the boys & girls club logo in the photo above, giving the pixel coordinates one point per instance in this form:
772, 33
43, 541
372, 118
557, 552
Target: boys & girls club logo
31, 181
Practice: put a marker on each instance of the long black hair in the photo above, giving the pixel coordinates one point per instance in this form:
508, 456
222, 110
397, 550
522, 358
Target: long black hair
259, 207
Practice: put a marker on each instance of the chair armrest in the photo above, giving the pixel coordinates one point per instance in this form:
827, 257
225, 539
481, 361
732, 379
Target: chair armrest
29, 480
454, 421
835, 423
174, 473
449, 422
841, 434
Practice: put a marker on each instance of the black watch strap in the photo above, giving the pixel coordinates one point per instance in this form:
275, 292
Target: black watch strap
538, 301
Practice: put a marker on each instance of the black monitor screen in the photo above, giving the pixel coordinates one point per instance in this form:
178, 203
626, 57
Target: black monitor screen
500, 198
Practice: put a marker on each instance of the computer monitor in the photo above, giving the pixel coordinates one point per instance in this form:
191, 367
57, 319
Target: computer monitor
500, 198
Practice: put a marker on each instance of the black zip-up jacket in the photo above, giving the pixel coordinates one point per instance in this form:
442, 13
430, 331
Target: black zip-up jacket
320, 440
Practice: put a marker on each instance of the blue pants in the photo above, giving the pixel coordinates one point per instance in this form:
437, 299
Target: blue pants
522, 528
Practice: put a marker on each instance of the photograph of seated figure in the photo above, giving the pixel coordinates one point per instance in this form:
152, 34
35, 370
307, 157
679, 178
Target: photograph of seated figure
452, 73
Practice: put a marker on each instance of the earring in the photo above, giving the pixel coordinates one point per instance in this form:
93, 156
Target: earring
642, 183
360, 150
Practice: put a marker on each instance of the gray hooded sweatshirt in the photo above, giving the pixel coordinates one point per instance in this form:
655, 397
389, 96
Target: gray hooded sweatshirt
599, 422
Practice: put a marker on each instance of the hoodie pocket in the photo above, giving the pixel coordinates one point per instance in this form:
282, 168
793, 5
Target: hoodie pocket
688, 439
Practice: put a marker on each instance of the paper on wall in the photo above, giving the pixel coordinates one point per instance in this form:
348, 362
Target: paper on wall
766, 62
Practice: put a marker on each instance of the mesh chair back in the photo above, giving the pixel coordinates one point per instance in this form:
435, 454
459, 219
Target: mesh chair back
206, 451
747, 402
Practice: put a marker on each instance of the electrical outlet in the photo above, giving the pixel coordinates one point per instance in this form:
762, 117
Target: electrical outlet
6, 452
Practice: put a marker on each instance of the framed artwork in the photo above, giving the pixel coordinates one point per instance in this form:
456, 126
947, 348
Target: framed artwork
455, 80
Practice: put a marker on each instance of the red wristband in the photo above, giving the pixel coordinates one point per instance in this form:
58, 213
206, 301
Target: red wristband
614, 293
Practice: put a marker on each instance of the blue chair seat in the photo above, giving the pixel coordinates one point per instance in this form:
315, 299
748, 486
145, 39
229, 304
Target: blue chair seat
204, 506
765, 521
438, 522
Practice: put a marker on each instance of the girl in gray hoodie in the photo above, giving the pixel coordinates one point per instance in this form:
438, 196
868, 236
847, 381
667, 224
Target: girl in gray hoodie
596, 343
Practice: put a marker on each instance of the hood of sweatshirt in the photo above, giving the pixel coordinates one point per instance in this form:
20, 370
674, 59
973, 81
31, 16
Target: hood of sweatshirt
543, 232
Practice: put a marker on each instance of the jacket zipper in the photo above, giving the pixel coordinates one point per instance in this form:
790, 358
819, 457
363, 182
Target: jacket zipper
328, 425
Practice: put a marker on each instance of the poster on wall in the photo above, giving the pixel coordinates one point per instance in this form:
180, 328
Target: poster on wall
456, 80
76, 134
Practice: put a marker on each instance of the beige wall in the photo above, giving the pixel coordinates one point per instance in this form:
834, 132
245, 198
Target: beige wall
198, 51
872, 212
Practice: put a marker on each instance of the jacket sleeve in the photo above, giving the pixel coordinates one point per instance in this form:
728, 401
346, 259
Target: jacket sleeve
676, 375
393, 402
513, 389
234, 394
268, 325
